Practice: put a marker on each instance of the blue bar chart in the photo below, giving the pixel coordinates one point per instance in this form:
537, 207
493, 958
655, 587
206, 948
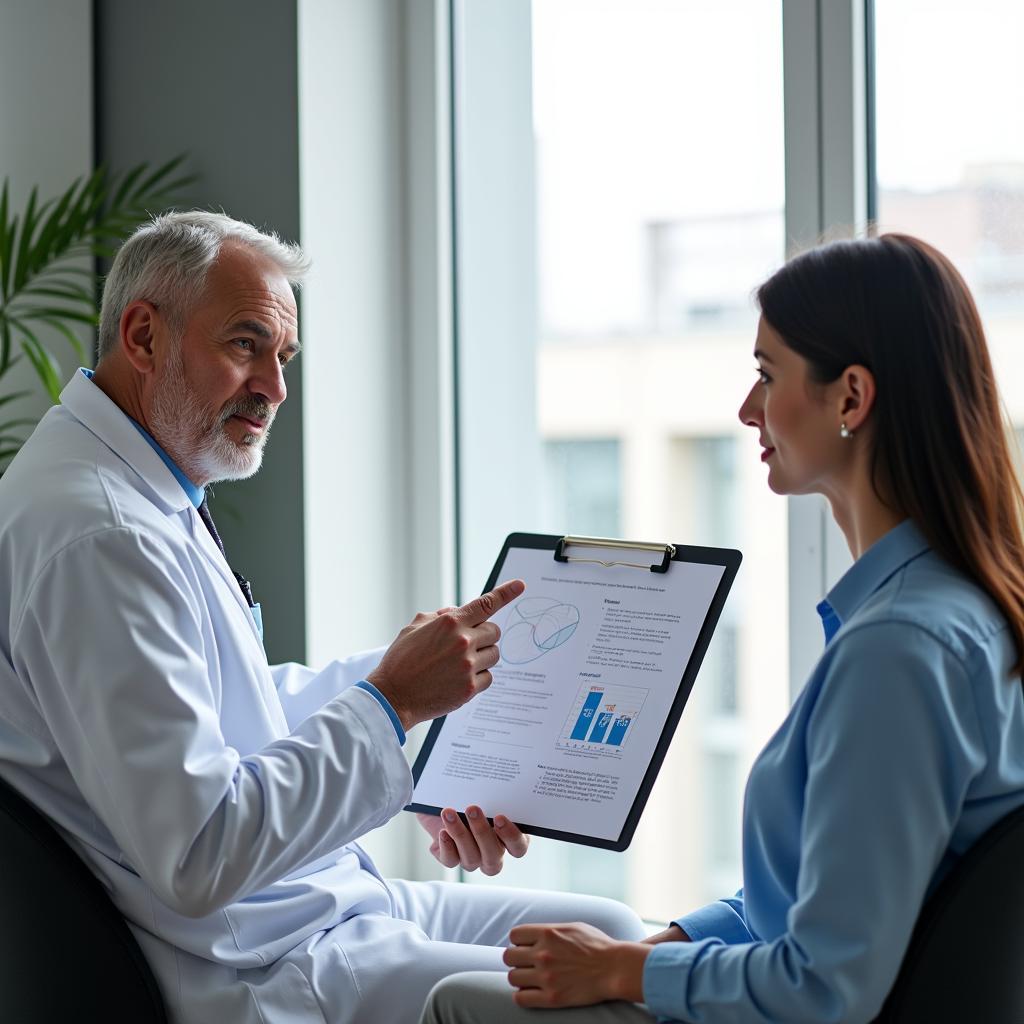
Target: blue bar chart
585, 719
600, 727
619, 730
601, 717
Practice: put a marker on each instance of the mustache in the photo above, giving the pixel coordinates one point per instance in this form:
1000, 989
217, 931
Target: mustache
251, 407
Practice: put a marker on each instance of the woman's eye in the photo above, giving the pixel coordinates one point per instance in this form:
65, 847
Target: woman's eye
762, 376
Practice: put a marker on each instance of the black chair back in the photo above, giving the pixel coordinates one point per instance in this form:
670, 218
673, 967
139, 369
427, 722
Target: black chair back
65, 951
965, 961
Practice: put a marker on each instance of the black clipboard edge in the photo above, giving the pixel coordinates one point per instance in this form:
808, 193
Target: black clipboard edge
730, 559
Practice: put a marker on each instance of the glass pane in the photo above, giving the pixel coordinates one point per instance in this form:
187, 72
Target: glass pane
951, 153
658, 172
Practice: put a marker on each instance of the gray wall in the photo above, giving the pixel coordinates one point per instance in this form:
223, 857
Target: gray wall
45, 132
218, 80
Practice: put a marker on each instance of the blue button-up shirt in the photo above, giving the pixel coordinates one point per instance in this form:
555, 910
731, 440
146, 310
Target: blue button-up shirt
905, 746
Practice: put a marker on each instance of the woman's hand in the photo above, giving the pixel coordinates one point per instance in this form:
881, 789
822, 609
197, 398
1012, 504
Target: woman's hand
573, 965
480, 846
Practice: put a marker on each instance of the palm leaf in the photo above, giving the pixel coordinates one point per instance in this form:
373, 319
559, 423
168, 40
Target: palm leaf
6, 245
57, 267
5, 346
58, 290
149, 184
45, 240
23, 421
124, 189
73, 222
19, 325
47, 368
4, 232
73, 340
28, 225
37, 346
40, 282
13, 396
53, 312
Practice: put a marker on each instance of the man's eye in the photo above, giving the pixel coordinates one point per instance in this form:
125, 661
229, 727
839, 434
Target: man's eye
245, 343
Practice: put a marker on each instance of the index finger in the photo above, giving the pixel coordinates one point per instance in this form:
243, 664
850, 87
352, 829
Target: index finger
482, 608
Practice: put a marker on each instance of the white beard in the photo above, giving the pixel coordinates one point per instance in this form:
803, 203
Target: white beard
193, 432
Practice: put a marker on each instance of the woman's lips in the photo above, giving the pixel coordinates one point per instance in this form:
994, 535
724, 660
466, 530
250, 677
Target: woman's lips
767, 453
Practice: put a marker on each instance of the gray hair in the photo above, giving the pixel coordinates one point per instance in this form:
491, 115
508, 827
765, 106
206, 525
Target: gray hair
165, 261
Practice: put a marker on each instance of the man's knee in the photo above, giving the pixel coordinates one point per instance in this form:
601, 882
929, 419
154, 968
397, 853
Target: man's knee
615, 919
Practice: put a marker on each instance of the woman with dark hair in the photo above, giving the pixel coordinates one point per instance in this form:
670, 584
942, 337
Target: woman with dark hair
874, 388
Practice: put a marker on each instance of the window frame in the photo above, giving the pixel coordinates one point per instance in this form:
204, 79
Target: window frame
440, 383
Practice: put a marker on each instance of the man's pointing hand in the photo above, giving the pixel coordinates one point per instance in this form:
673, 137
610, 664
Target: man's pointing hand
443, 658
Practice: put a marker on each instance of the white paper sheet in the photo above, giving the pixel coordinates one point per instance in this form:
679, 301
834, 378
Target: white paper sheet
591, 660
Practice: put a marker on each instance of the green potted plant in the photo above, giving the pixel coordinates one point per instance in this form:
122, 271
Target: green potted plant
48, 275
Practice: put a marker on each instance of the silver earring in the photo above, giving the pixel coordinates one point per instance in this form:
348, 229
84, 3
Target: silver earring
844, 431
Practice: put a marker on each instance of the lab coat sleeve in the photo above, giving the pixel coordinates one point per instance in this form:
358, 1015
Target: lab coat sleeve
303, 690
112, 642
892, 744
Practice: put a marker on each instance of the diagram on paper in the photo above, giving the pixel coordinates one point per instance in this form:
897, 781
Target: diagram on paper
536, 626
602, 717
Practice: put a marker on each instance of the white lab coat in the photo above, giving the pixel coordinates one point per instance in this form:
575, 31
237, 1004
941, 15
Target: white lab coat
216, 796
213, 794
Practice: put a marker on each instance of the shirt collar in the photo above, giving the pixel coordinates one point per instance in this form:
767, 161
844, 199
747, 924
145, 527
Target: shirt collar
99, 414
886, 556
195, 494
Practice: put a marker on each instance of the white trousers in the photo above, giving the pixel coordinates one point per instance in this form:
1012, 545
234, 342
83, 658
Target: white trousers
438, 929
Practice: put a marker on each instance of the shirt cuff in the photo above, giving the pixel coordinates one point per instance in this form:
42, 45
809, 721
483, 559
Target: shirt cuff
717, 920
386, 705
666, 977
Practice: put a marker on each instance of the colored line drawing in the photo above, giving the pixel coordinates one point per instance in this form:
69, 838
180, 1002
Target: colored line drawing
535, 627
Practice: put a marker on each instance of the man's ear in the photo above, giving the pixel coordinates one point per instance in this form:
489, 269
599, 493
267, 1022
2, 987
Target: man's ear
856, 396
140, 323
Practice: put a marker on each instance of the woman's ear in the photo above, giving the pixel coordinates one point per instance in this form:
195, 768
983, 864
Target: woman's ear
856, 396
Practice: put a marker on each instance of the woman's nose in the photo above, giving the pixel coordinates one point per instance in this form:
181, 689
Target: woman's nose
750, 410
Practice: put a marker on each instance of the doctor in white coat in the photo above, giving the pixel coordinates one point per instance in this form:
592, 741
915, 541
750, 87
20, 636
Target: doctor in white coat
218, 797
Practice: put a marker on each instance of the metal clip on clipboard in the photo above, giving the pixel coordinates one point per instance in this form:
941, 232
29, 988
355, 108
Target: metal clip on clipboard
668, 552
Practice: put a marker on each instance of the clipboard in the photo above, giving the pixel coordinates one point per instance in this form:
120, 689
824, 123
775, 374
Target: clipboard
658, 560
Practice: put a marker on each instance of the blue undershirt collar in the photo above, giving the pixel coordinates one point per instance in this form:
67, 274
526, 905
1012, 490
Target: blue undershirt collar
195, 494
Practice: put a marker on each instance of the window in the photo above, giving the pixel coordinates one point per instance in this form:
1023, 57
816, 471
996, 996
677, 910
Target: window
619, 193
951, 158
582, 485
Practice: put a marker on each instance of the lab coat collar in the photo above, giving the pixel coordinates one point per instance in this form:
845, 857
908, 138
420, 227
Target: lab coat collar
103, 417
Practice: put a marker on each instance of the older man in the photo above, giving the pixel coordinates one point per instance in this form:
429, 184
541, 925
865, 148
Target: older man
217, 796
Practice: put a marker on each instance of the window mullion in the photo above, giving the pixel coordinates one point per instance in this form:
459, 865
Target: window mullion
825, 83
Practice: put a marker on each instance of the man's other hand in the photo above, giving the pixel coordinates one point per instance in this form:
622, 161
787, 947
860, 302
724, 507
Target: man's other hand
481, 845
443, 658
